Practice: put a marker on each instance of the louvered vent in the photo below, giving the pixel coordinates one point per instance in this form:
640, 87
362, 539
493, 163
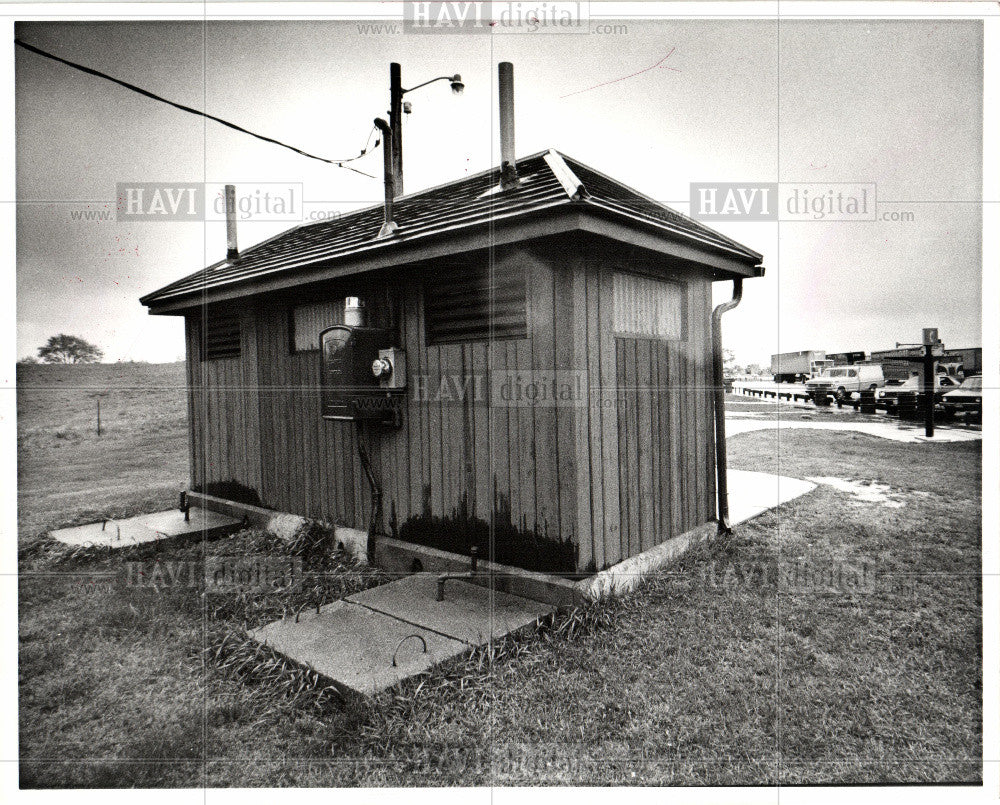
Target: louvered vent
222, 336
461, 305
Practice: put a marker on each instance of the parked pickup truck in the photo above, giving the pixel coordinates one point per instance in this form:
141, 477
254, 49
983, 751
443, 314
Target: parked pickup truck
840, 382
889, 396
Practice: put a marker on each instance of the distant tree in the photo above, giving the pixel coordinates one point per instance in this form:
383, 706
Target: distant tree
28, 359
69, 349
729, 361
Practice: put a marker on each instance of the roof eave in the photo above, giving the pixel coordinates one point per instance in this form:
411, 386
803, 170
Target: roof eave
556, 220
724, 264
561, 218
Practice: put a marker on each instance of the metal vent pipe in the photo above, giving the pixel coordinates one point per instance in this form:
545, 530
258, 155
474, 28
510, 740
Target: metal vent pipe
232, 250
508, 160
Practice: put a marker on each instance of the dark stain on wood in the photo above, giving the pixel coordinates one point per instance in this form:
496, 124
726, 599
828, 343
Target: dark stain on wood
511, 544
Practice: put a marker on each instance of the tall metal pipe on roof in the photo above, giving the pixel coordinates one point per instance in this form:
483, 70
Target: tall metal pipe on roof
508, 161
722, 480
232, 250
388, 225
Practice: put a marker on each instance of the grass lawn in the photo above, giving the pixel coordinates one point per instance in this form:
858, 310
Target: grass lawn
734, 667
67, 474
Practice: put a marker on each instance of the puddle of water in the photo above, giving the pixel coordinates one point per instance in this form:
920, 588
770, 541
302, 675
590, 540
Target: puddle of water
863, 491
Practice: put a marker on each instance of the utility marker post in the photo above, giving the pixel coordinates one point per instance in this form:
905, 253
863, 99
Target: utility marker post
929, 390
932, 347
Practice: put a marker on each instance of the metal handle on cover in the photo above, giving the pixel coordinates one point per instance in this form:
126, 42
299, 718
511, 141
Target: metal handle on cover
400, 643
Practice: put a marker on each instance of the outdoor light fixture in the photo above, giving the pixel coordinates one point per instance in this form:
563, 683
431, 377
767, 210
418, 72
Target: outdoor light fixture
397, 108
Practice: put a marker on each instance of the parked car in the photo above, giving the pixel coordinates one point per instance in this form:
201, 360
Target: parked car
842, 381
889, 396
966, 399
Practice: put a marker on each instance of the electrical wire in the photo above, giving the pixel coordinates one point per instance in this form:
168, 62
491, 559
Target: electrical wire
340, 163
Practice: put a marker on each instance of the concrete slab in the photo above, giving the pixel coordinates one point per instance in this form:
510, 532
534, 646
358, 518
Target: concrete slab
147, 528
469, 613
753, 493
354, 646
352, 641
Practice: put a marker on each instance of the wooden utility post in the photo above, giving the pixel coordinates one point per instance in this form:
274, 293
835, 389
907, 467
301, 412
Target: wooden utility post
396, 124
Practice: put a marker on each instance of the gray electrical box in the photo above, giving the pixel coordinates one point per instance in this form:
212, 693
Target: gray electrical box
390, 369
350, 389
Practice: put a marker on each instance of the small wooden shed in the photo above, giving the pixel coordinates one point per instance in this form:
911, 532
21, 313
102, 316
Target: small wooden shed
568, 280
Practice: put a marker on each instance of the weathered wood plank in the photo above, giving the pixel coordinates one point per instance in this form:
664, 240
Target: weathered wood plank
499, 424
453, 433
646, 446
435, 436
696, 345
625, 500
708, 406
629, 386
710, 508
541, 329
567, 410
192, 395
595, 410
414, 408
676, 393
656, 441
524, 450
483, 502
573, 346
609, 422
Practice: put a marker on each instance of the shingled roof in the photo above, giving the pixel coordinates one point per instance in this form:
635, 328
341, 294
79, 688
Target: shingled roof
548, 180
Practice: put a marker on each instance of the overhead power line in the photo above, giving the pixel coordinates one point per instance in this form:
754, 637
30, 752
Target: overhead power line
340, 163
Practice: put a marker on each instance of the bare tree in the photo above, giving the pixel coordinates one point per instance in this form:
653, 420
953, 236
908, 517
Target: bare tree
69, 349
729, 361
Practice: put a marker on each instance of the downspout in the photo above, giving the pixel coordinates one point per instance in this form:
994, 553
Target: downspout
722, 485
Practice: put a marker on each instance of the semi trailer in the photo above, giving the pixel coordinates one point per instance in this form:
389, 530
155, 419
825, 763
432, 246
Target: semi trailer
794, 367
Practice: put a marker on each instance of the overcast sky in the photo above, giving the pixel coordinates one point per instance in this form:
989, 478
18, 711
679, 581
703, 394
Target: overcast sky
897, 103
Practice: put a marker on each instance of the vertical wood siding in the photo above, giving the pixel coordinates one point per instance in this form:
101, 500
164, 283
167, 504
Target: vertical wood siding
223, 410
627, 468
665, 431
645, 463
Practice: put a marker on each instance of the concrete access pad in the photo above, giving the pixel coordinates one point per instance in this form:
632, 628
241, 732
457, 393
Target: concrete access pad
753, 493
148, 528
354, 646
469, 613
352, 642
